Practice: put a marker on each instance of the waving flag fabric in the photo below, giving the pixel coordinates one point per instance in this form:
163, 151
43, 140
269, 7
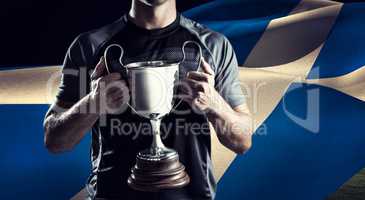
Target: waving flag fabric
302, 70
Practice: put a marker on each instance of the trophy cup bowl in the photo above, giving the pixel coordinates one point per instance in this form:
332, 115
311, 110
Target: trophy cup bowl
152, 88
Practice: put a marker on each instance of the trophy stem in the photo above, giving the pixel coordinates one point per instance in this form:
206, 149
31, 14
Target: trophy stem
158, 167
157, 145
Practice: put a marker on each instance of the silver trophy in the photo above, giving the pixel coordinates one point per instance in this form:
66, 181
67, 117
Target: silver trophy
152, 87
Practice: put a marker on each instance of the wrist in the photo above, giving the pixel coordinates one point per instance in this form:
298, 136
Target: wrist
218, 108
212, 113
216, 104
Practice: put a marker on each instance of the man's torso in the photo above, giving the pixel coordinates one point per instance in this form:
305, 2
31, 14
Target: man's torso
118, 138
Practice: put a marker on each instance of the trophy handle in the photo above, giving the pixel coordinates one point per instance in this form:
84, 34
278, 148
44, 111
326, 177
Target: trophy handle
184, 54
125, 70
184, 57
107, 56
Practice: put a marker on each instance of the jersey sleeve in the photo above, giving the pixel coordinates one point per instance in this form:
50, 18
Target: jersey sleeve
227, 75
73, 85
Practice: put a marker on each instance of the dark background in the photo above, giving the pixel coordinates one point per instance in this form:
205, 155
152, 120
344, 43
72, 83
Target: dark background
38, 32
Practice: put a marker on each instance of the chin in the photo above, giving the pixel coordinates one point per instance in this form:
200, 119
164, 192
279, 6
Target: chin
154, 2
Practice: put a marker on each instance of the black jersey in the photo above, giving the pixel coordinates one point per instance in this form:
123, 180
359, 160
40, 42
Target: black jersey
116, 139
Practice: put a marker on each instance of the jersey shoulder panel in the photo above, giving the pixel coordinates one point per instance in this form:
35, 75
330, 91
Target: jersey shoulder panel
90, 42
211, 40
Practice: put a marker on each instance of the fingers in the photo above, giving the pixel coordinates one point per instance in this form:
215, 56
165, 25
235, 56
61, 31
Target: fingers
117, 89
206, 75
198, 102
116, 102
197, 89
99, 69
118, 94
199, 76
108, 83
206, 67
110, 91
192, 91
110, 78
193, 85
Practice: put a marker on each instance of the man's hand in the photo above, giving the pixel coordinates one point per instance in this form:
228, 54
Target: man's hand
198, 89
66, 129
109, 94
232, 125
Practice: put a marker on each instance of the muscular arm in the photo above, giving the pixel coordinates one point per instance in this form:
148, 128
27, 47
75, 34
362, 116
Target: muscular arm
63, 130
233, 126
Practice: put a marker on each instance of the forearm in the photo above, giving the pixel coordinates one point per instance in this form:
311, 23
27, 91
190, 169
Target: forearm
234, 129
66, 129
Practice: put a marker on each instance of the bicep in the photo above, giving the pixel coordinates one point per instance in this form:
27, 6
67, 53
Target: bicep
74, 82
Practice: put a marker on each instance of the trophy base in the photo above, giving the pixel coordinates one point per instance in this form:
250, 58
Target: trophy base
158, 170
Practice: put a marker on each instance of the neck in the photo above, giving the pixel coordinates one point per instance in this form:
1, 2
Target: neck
153, 17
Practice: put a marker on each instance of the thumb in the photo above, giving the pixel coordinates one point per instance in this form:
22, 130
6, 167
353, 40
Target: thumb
206, 67
99, 69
